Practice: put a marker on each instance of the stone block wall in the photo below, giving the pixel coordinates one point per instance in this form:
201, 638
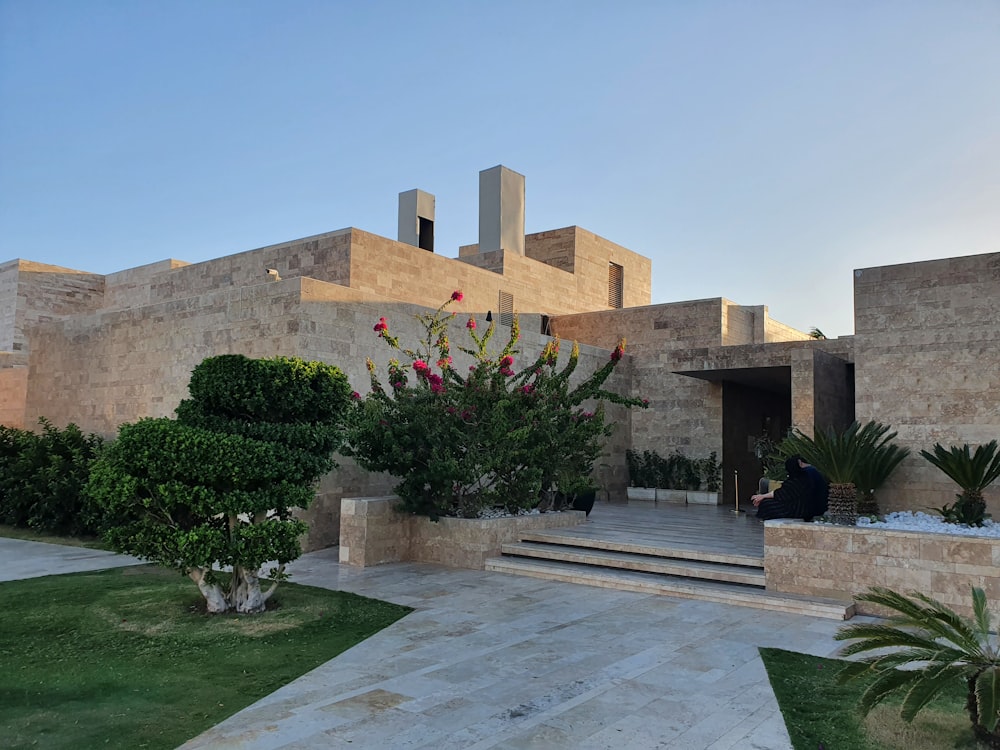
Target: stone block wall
928, 363
372, 532
108, 367
843, 561
8, 304
13, 389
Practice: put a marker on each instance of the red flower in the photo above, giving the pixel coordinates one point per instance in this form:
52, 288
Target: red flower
356, 396
381, 327
527, 388
419, 365
471, 325
457, 296
507, 361
616, 355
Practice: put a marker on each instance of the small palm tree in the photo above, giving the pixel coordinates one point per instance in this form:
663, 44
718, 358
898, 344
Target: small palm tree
939, 645
855, 462
973, 472
877, 462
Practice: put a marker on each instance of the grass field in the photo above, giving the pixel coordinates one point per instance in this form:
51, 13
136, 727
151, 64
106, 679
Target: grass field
126, 658
820, 713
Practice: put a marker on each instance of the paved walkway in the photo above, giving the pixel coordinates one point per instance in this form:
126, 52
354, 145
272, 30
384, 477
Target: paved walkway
502, 662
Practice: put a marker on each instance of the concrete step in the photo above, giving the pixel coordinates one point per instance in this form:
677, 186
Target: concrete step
685, 568
655, 583
681, 553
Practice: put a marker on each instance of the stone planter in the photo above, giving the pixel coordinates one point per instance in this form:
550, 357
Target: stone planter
641, 493
842, 561
679, 497
372, 532
700, 497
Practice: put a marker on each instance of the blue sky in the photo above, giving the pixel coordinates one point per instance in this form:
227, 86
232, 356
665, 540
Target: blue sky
758, 151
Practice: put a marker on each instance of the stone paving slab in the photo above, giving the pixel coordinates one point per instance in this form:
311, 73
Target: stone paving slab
22, 559
495, 662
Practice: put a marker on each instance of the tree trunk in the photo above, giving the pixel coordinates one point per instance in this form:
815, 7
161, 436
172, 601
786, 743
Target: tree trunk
245, 591
986, 737
215, 599
843, 504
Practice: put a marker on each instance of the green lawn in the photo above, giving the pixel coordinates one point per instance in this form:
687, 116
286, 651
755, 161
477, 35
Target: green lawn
820, 713
126, 658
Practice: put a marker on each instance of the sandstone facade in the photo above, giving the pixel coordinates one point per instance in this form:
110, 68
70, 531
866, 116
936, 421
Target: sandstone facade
103, 350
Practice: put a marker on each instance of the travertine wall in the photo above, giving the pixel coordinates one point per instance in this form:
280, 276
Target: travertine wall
13, 388
928, 363
843, 561
373, 533
108, 367
8, 304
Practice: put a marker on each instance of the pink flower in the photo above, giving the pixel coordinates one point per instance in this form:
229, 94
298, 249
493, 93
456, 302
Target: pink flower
471, 325
645, 402
457, 296
356, 396
419, 365
381, 326
506, 372
507, 361
616, 355
529, 388
444, 362
437, 385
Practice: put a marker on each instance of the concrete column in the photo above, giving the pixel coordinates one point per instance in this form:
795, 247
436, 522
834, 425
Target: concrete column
501, 210
416, 219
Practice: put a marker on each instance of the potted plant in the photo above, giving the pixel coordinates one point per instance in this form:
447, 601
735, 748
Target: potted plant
711, 473
641, 474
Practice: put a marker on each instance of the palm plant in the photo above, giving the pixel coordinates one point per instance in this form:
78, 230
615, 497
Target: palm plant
939, 645
973, 472
855, 462
879, 461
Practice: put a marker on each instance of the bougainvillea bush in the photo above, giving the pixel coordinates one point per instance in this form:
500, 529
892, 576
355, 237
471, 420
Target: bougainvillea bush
494, 435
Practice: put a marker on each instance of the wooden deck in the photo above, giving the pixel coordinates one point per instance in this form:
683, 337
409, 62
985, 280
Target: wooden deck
714, 531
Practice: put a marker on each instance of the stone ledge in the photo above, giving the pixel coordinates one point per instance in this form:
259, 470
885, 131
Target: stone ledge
843, 561
373, 532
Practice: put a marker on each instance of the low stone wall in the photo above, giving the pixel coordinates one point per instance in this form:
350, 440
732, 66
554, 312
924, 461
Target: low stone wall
841, 561
372, 532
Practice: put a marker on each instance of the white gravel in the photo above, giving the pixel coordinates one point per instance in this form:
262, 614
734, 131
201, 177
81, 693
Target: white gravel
909, 521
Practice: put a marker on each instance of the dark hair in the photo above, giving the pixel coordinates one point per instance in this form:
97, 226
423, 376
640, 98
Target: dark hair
792, 466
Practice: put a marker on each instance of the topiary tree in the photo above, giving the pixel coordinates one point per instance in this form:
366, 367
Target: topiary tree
494, 437
216, 488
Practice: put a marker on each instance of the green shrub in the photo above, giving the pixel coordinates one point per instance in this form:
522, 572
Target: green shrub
491, 438
43, 476
218, 486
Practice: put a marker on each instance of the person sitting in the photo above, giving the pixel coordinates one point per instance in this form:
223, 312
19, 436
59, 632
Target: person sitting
803, 495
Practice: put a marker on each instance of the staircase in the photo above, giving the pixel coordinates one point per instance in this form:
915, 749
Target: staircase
688, 573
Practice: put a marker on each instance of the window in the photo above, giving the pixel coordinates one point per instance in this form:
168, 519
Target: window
506, 309
615, 285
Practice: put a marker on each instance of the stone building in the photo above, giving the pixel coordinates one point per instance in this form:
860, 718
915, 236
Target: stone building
101, 350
